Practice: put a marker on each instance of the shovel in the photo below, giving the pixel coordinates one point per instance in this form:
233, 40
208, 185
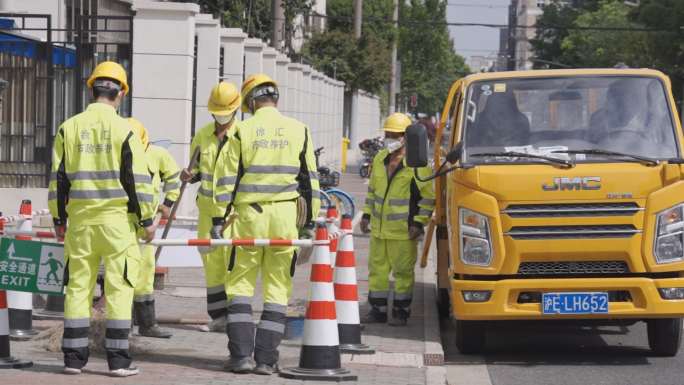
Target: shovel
211, 249
169, 221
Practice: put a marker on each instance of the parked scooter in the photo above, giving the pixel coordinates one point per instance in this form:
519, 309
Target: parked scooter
369, 148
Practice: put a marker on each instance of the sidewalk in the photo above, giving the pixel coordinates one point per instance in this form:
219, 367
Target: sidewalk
193, 357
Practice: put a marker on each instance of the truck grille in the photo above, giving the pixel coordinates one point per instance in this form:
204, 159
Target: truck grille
579, 267
572, 232
563, 210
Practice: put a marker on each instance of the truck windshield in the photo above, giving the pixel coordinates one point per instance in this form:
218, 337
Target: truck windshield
545, 116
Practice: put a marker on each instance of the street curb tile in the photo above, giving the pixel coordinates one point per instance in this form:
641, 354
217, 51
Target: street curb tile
431, 334
436, 375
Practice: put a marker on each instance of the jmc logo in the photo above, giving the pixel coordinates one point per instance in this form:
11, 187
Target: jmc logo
576, 183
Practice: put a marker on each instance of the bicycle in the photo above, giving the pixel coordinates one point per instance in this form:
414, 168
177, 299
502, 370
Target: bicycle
327, 180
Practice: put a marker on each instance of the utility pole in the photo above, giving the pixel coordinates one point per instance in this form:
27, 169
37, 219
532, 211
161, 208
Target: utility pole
353, 118
393, 62
277, 24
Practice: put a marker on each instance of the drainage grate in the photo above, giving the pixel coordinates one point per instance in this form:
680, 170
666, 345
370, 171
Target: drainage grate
433, 360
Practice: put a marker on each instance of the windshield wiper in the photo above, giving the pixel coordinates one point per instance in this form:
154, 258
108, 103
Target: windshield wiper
653, 162
512, 154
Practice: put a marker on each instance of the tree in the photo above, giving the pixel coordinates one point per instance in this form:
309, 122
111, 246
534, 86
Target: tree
546, 44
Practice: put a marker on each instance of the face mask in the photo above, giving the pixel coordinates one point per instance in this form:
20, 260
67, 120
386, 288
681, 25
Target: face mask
393, 145
223, 120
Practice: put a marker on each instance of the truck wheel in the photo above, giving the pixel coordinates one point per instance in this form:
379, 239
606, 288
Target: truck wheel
665, 336
470, 336
443, 303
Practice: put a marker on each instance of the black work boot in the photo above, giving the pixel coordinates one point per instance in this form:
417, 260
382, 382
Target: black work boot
375, 317
154, 331
399, 317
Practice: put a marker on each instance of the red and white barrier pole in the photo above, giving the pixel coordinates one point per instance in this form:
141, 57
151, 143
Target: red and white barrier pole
6, 359
319, 359
20, 304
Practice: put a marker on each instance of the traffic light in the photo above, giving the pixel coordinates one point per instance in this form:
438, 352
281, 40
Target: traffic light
414, 100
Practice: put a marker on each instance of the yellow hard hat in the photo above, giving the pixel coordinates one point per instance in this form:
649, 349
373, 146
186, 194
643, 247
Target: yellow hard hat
141, 131
396, 122
111, 70
250, 83
224, 99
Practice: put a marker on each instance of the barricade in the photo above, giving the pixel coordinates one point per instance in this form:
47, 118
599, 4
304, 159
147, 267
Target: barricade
6, 359
319, 359
347, 296
20, 304
331, 217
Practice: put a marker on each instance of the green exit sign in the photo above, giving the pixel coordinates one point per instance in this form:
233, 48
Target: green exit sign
35, 267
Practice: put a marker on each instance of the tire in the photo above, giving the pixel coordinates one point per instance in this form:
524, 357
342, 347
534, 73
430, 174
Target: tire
343, 197
443, 303
325, 202
664, 336
363, 172
340, 204
470, 336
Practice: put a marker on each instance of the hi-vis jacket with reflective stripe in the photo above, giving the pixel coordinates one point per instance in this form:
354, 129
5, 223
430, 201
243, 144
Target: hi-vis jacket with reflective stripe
269, 158
163, 168
399, 201
204, 169
99, 171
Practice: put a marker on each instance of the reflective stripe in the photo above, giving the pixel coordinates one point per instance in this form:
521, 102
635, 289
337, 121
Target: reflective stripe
52, 195
240, 317
217, 305
402, 296
118, 323
270, 325
425, 212
216, 289
378, 294
371, 190
116, 344
76, 322
240, 300
313, 175
427, 201
267, 188
377, 214
141, 178
316, 194
273, 169
97, 194
397, 216
53, 176
207, 177
225, 197
205, 192
75, 342
174, 176
143, 197
95, 175
197, 164
399, 202
226, 180
379, 199
275, 307
171, 186
369, 201
143, 297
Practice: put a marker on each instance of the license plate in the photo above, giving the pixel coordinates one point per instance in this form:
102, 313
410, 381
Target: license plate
575, 303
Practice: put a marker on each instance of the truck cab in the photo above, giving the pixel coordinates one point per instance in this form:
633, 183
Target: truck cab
561, 199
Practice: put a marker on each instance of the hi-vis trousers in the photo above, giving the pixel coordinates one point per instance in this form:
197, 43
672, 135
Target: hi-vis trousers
85, 247
266, 220
143, 300
215, 271
399, 257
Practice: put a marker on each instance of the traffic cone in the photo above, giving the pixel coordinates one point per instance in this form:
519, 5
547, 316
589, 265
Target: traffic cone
332, 227
6, 359
346, 295
319, 359
21, 303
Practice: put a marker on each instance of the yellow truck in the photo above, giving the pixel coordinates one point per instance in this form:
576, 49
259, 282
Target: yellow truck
561, 198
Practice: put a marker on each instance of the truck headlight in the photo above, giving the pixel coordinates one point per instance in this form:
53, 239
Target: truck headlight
667, 246
475, 238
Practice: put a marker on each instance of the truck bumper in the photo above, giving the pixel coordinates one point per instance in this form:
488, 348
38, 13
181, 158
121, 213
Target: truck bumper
503, 303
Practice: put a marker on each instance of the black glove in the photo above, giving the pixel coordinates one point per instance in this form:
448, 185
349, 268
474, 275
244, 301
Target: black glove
215, 232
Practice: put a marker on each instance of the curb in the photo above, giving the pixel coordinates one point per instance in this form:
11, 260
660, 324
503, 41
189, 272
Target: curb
435, 375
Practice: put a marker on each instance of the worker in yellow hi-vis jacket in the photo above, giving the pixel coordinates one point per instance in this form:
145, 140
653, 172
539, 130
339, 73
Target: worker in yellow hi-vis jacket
223, 104
397, 208
261, 174
162, 168
99, 176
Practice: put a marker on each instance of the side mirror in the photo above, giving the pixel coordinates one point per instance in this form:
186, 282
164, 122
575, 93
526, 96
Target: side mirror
416, 146
454, 155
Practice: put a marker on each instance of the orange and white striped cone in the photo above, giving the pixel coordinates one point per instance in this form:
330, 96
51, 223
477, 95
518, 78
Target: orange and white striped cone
6, 359
21, 303
319, 359
332, 227
347, 295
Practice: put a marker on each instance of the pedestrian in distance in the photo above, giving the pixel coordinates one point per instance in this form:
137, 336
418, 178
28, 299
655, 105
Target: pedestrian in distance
397, 208
162, 168
263, 172
99, 176
223, 103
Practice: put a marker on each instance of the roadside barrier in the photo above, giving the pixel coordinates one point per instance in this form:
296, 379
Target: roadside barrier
20, 304
331, 217
319, 358
6, 359
14, 218
347, 295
